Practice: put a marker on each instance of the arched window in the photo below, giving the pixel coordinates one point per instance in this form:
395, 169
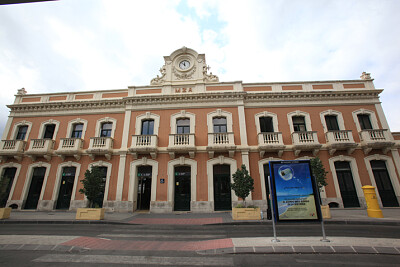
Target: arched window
147, 127
219, 124
183, 126
106, 129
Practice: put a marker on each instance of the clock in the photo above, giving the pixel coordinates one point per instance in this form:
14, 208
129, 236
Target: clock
184, 64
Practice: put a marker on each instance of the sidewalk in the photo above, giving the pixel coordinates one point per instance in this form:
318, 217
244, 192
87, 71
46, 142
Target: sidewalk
352, 245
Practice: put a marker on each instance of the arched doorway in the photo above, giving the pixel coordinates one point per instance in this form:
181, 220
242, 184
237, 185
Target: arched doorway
222, 187
182, 195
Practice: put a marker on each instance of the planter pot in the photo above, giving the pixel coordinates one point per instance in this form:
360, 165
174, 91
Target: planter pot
90, 214
246, 214
5, 213
326, 213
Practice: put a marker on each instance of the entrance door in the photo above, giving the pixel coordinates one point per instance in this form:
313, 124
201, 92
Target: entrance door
182, 188
383, 183
346, 184
144, 187
35, 188
222, 187
8, 175
66, 186
98, 202
266, 174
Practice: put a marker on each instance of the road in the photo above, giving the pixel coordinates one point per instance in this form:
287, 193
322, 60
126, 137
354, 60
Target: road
171, 235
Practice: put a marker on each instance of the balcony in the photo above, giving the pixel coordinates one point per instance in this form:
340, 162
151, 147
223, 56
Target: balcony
40, 148
221, 142
340, 140
305, 141
70, 147
144, 144
12, 148
181, 143
376, 139
270, 142
100, 146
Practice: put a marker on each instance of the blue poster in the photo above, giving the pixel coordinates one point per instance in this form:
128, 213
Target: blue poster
294, 190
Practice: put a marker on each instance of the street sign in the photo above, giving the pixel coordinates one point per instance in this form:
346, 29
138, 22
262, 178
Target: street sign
294, 191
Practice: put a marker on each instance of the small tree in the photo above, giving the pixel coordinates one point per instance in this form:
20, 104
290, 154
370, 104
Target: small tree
93, 185
242, 184
319, 173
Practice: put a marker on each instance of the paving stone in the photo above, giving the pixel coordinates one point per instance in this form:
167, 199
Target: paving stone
45, 247
387, 250
268, 249
303, 249
207, 252
323, 249
343, 249
62, 248
244, 249
29, 247
283, 249
224, 250
364, 249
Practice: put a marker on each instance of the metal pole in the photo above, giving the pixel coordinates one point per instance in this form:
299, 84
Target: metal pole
275, 240
324, 239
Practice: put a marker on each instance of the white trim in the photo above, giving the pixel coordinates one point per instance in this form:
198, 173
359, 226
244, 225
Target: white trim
299, 113
57, 183
242, 127
43, 125
171, 178
339, 118
28, 181
16, 126
210, 175
354, 173
372, 118
390, 169
133, 186
183, 115
109, 166
103, 120
11, 165
76, 121
147, 115
261, 164
219, 113
7, 128
266, 114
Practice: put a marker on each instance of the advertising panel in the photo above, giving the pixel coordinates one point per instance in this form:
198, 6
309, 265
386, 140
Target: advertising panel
294, 191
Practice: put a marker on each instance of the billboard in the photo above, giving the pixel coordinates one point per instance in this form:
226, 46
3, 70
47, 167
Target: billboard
294, 191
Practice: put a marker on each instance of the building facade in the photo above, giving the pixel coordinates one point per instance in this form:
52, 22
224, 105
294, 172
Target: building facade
173, 145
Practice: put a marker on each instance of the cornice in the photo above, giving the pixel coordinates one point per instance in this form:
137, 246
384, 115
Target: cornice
246, 97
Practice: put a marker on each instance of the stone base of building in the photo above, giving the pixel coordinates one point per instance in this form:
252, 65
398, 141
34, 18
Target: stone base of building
201, 206
118, 206
161, 207
76, 204
46, 205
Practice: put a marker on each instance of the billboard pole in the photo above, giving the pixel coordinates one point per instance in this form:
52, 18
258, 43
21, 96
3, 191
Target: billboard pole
275, 240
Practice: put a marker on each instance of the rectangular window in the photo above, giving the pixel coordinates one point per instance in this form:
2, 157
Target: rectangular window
183, 126
219, 124
266, 125
332, 123
365, 122
299, 124
49, 131
106, 129
77, 130
147, 127
21, 132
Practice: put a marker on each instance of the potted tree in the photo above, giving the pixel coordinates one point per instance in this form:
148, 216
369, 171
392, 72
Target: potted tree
242, 185
93, 187
4, 184
319, 173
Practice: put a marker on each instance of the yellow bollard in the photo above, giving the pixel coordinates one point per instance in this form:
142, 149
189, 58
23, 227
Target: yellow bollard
373, 209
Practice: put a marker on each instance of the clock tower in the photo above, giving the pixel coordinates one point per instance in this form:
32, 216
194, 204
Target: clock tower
184, 66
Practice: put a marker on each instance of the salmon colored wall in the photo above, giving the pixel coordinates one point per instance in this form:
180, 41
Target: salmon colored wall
257, 88
89, 96
148, 91
353, 85
292, 87
322, 86
31, 99
57, 98
219, 88
111, 95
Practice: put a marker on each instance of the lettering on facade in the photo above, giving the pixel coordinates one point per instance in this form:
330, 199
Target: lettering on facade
183, 90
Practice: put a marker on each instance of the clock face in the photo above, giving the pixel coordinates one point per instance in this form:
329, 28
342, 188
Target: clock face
184, 65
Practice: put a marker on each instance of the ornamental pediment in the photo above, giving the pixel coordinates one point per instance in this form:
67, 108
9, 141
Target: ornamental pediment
182, 66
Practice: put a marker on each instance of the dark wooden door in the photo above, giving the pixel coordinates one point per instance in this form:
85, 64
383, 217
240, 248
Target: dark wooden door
182, 188
222, 187
346, 184
35, 188
384, 184
144, 187
66, 186
8, 174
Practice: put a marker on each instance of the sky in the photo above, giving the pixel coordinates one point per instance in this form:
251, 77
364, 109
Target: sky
82, 45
